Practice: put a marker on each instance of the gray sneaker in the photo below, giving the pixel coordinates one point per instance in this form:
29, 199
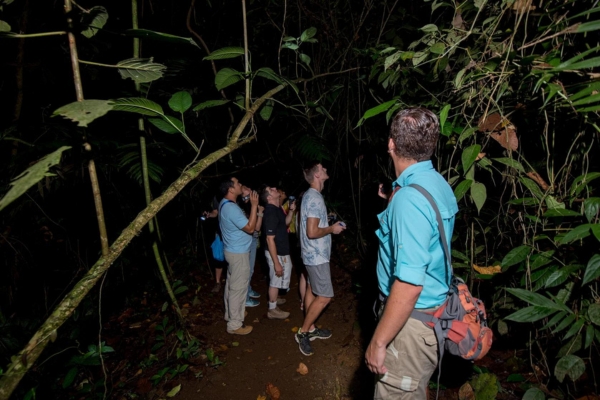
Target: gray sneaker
304, 343
277, 313
319, 334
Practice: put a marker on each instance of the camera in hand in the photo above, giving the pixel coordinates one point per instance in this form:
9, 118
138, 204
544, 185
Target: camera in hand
245, 198
331, 218
292, 199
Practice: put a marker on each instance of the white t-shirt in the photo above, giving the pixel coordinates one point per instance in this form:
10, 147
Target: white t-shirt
314, 251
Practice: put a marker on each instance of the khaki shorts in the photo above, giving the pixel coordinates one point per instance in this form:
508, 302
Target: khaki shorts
411, 358
281, 282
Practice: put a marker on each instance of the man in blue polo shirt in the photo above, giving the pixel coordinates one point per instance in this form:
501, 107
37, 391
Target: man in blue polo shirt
411, 266
237, 232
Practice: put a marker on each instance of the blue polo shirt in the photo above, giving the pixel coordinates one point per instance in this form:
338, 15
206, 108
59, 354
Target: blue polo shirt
231, 221
409, 239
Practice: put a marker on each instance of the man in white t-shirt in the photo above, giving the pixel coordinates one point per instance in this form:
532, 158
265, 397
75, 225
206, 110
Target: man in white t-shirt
315, 242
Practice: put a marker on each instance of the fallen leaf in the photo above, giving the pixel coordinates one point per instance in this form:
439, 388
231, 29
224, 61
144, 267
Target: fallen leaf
466, 392
173, 392
273, 391
261, 397
538, 179
223, 347
496, 269
507, 138
286, 320
256, 321
491, 123
295, 329
235, 344
248, 350
302, 369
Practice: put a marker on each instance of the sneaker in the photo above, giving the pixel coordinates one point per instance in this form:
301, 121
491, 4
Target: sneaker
280, 301
304, 343
243, 330
277, 313
252, 303
253, 294
319, 334
217, 288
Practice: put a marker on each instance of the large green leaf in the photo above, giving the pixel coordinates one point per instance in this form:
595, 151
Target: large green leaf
462, 189
93, 20
469, 155
137, 105
534, 394
4, 26
581, 182
376, 110
141, 70
268, 73
444, 116
167, 124
530, 314
304, 58
594, 313
226, 52
560, 276
577, 233
164, 37
479, 194
227, 77
570, 365
511, 163
515, 256
566, 321
592, 270
84, 112
561, 212
591, 207
532, 186
31, 176
541, 259
180, 101
308, 34
209, 104
266, 110
534, 298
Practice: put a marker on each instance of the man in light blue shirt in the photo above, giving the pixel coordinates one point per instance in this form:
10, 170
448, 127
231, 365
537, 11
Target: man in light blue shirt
411, 267
237, 233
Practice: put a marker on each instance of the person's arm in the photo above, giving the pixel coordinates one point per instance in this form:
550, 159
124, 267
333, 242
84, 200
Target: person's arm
398, 308
259, 218
273, 252
290, 214
251, 225
314, 232
211, 214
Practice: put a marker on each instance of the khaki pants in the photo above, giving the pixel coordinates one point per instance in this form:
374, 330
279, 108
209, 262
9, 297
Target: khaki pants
236, 288
411, 359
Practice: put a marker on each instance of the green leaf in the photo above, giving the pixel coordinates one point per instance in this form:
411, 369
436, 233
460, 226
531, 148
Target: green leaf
304, 58
479, 194
164, 37
444, 116
577, 233
290, 45
530, 314
534, 298
515, 256
594, 313
437, 48
566, 321
515, 378
419, 57
4, 26
84, 112
589, 336
541, 259
225, 52
93, 20
511, 163
173, 392
266, 110
534, 394
268, 73
596, 230
561, 212
70, 377
592, 270
459, 78
141, 70
309, 33
570, 365
585, 64
167, 124
462, 189
559, 316
376, 110
429, 28
137, 105
180, 101
227, 77
560, 276
235, 344
581, 182
591, 207
469, 155
572, 346
210, 104
467, 133
532, 186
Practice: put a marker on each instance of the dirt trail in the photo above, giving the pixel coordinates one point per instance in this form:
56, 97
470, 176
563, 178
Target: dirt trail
270, 355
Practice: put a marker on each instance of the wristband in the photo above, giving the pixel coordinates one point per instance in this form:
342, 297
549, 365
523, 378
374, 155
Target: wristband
259, 215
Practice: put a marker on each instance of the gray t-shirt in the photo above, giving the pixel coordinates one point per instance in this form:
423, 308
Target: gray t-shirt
314, 251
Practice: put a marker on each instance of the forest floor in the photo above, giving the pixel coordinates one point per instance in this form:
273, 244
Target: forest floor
265, 363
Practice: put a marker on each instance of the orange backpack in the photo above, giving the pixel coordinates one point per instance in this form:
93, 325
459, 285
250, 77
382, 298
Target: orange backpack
460, 323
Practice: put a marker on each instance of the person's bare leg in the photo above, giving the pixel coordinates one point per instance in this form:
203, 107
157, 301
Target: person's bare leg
273, 292
313, 310
302, 287
218, 274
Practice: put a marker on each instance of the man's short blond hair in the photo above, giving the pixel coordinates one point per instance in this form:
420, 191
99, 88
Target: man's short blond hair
310, 171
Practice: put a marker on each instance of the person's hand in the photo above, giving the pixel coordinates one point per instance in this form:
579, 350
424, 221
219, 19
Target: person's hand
381, 193
260, 209
293, 205
374, 358
254, 198
278, 270
338, 228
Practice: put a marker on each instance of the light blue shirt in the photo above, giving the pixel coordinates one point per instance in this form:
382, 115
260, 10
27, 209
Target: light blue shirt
409, 239
231, 221
314, 251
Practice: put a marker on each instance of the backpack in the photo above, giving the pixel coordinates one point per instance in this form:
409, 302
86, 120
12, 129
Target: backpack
217, 248
460, 323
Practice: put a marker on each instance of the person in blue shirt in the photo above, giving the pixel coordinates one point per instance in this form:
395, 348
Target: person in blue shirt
411, 266
237, 230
